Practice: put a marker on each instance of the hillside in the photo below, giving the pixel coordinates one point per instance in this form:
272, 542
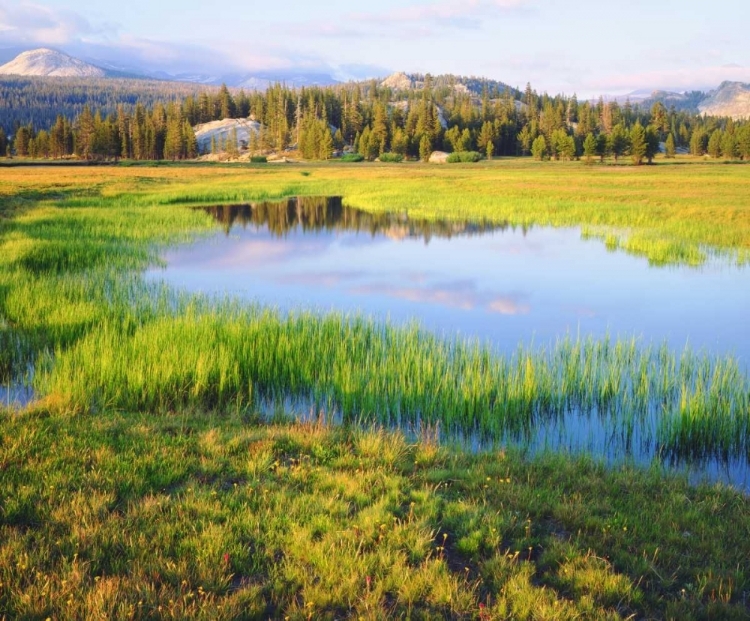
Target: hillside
730, 99
50, 63
38, 100
448, 84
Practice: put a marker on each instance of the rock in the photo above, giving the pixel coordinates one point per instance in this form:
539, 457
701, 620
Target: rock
730, 99
398, 81
222, 130
439, 157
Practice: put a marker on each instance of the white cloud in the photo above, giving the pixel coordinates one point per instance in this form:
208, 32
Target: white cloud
421, 20
32, 23
682, 79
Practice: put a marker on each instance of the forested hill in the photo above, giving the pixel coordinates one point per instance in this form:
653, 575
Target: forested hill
410, 119
39, 100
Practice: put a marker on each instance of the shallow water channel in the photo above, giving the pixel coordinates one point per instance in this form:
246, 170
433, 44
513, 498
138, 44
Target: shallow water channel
496, 283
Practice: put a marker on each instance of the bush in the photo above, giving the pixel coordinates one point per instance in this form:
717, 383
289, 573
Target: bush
392, 158
467, 157
353, 157
258, 159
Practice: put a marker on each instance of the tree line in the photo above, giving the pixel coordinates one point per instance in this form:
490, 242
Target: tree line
373, 120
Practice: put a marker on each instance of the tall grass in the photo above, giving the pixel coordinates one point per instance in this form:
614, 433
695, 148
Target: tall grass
73, 303
222, 356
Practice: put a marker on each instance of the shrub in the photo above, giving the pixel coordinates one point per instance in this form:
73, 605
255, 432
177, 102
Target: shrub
392, 158
468, 157
258, 159
353, 157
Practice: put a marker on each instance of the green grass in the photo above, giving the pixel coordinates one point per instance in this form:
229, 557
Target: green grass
196, 516
143, 463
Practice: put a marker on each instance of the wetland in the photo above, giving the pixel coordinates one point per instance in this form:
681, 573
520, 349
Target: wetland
510, 360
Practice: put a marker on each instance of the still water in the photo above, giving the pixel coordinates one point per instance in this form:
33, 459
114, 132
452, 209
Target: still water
496, 283
508, 285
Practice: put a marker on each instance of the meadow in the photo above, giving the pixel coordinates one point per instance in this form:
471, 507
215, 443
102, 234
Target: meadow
168, 496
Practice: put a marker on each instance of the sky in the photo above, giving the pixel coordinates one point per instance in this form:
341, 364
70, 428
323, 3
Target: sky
585, 47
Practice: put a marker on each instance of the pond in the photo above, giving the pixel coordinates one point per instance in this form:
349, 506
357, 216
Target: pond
508, 285
499, 284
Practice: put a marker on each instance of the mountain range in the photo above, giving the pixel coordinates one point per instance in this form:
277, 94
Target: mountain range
55, 63
729, 99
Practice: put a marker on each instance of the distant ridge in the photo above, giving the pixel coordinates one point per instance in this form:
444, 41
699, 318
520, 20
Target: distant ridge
730, 99
51, 63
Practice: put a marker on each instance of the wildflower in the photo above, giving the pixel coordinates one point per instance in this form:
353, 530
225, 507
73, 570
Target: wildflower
226, 558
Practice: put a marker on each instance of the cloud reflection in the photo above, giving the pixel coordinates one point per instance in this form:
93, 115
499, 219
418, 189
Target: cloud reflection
459, 294
243, 253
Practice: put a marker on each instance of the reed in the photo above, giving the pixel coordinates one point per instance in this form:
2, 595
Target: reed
73, 303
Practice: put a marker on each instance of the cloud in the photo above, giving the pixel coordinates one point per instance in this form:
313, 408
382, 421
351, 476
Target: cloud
508, 306
426, 295
415, 21
39, 25
239, 253
27, 24
462, 294
682, 79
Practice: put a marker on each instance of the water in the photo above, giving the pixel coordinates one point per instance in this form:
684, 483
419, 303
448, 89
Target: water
497, 283
16, 394
508, 285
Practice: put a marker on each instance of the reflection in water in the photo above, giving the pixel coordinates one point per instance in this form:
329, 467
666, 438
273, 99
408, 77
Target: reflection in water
316, 213
16, 394
501, 285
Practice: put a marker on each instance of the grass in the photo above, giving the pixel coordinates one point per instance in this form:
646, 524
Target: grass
144, 463
190, 515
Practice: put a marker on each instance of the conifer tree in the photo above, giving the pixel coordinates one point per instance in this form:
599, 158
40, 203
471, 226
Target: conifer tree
743, 142
714, 144
652, 143
637, 143
602, 147
539, 148
669, 148
425, 148
698, 142
618, 141
589, 148
729, 145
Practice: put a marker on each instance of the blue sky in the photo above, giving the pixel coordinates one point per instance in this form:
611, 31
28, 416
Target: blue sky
581, 46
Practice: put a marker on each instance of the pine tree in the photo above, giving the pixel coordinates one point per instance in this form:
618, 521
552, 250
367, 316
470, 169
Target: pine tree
539, 148
743, 142
589, 148
669, 148
525, 138
729, 145
602, 146
652, 143
698, 142
714, 144
425, 148
618, 141
637, 143
325, 143
189, 140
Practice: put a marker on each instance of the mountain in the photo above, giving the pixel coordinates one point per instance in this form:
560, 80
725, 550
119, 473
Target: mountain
688, 101
255, 81
50, 63
730, 99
